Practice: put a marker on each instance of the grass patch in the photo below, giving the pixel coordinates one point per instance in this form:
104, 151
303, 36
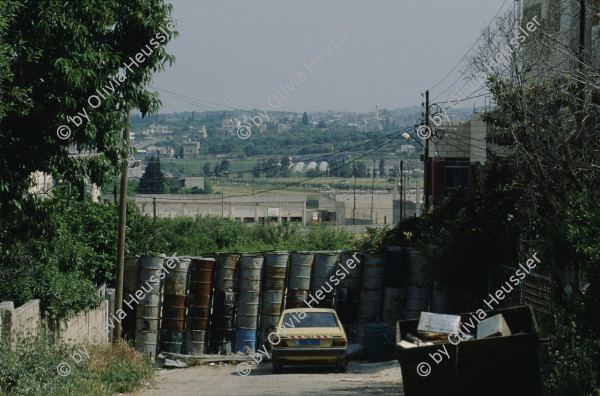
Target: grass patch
30, 368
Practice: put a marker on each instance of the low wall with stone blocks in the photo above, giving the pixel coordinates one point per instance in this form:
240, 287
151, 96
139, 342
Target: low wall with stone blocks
24, 320
77, 329
27, 320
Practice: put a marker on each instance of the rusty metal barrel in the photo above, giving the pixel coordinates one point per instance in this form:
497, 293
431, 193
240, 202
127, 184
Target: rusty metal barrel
395, 282
419, 286
275, 266
347, 293
131, 273
324, 268
371, 292
275, 269
226, 264
249, 302
173, 312
201, 270
222, 330
299, 279
148, 308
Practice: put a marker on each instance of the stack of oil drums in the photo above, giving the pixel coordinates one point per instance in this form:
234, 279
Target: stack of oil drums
222, 330
347, 295
419, 286
394, 290
299, 279
199, 304
131, 273
324, 268
275, 266
371, 292
174, 303
249, 302
148, 308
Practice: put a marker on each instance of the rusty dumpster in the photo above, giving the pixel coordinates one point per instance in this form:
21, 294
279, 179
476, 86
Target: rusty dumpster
491, 366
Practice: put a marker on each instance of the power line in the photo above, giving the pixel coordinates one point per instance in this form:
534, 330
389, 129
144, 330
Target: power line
465, 55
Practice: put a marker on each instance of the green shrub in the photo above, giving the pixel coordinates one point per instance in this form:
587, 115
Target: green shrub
571, 360
30, 368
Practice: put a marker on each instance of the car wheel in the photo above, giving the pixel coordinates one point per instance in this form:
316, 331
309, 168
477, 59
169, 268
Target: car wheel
277, 367
341, 367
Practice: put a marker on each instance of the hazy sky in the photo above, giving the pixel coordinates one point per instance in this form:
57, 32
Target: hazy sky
239, 53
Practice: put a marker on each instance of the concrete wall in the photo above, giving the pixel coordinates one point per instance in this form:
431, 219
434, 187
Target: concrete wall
24, 320
343, 205
27, 320
75, 330
244, 207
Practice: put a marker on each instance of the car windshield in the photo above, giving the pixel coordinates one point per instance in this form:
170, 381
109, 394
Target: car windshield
313, 319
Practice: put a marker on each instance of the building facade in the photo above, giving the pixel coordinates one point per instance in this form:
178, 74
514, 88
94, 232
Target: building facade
190, 150
280, 208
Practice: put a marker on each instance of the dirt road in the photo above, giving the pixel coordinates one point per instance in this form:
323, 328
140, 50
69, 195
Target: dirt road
360, 379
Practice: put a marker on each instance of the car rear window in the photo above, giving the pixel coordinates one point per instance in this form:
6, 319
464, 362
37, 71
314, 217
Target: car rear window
313, 319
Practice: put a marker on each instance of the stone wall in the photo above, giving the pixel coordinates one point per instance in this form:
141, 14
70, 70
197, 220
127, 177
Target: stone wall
27, 320
24, 320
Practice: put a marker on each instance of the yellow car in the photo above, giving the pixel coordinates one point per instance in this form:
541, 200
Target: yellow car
309, 336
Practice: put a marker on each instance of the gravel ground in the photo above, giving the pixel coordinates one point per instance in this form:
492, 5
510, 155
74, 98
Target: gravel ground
361, 378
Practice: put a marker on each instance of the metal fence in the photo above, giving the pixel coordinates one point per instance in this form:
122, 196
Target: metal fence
535, 290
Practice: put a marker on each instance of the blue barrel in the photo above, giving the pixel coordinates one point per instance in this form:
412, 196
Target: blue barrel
376, 342
245, 339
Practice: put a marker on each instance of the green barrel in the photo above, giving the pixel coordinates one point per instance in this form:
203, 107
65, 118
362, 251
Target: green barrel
376, 341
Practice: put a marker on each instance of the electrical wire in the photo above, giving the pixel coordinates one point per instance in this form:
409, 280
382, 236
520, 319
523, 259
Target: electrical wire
465, 55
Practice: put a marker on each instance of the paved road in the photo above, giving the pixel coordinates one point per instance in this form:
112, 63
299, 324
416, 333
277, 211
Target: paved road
360, 379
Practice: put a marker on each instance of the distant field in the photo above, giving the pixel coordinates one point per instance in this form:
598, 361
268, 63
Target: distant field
242, 184
296, 185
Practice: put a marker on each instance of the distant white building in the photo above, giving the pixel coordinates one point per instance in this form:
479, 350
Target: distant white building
190, 150
323, 166
192, 181
43, 184
230, 125
311, 165
282, 126
299, 167
159, 129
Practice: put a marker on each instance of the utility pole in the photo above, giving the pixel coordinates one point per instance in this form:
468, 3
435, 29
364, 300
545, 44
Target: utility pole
122, 222
354, 207
402, 187
372, 189
222, 192
427, 168
406, 180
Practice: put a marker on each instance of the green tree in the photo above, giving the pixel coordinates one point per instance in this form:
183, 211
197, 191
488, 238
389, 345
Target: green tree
305, 119
285, 166
153, 180
207, 187
206, 169
258, 168
58, 58
361, 169
382, 167
225, 166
